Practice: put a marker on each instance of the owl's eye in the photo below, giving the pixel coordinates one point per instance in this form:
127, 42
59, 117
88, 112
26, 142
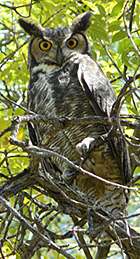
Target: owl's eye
45, 45
71, 43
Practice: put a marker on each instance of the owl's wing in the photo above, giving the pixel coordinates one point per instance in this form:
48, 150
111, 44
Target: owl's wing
32, 134
47, 164
101, 97
96, 86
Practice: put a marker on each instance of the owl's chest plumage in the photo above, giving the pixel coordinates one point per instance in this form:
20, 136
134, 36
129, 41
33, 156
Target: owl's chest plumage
59, 93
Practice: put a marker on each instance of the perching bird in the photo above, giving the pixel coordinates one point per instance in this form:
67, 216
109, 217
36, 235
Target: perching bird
65, 80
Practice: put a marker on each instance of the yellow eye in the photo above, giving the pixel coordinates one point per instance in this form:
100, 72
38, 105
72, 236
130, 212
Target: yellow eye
71, 43
45, 45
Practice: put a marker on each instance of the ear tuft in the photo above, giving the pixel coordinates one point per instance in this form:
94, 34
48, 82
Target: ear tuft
31, 27
82, 22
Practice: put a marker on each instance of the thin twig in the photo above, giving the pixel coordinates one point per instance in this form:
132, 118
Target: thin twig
128, 31
8, 57
41, 152
109, 55
48, 242
14, 8
123, 92
54, 14
18, 105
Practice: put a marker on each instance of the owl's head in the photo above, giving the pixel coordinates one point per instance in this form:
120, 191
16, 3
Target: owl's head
54, 46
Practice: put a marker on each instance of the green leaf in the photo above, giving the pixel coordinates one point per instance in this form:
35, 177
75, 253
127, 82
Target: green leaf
119, 36
94, 55
89, 4
117, 8
135, 60
101, 10
98, 28
98, 21
18, 111
2, 56
100, 33
137, 42
126, 59
124, 44
114, 26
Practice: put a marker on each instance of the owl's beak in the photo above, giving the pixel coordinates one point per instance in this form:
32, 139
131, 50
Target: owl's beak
59, 56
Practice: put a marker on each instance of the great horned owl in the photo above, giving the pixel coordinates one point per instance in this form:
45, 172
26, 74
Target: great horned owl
65, 80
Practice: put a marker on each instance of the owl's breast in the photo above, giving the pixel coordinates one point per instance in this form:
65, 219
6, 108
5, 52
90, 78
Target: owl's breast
58, 94
67, 93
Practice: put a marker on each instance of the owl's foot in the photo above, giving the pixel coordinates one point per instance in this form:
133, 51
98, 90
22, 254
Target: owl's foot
85, 146
89, 145
69, 174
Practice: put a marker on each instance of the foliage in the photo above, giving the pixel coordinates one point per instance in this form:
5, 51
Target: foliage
115, 42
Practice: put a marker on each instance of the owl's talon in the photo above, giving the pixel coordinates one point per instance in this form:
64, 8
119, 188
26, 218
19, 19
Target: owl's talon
83, 147
69, 176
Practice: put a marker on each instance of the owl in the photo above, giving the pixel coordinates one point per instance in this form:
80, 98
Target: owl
65, 80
